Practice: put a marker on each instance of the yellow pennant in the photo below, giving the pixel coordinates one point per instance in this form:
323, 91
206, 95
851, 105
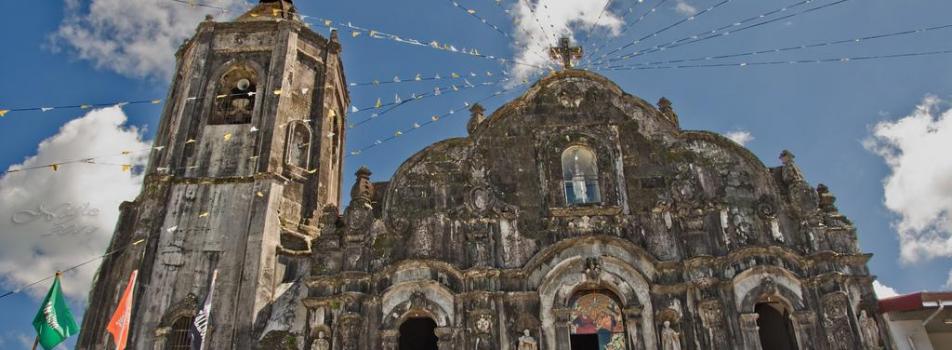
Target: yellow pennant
277, 92
54, 166
227, 136
85, 106
126, 152
328, 23
454, 75
332, 113
189, 141
203, 215
472, 12
259, 194
312, 171
355, 33
126, 167
398, 133
155, 102
378, 104
3, 112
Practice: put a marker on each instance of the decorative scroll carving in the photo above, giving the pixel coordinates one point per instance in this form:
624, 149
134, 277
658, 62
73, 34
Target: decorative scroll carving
838, 332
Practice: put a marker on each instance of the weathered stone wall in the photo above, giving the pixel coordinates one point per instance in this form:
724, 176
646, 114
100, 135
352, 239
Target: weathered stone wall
691, 229
244, 169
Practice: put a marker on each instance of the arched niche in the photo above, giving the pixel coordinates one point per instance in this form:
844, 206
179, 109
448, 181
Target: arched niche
580, 176
608, 274
298, 149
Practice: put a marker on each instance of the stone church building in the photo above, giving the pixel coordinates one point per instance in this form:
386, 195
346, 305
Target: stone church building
576, 216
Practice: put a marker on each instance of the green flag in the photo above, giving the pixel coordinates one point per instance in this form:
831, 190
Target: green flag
54, 323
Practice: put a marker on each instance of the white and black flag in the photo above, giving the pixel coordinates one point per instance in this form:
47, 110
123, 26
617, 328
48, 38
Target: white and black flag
200, 325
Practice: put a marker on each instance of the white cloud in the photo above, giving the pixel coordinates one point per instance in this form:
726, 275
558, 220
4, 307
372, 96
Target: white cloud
740, 136
135, 38
53, 220
883, 291
558, 18
684, 8
919, 188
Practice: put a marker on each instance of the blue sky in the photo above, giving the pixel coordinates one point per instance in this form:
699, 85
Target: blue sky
823, 113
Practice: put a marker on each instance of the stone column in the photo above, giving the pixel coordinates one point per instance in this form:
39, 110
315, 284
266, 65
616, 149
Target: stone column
750, 331
563, 329
445, 338
804, 323
160, 337
633, 320
390, 339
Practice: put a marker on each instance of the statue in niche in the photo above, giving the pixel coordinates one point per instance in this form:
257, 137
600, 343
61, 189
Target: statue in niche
527, 342
321, 343
670, 339
869, 330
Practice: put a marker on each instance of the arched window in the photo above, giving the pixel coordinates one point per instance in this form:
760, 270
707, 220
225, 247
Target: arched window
597, 322
299, 145
177, 338
235, 96
580, 176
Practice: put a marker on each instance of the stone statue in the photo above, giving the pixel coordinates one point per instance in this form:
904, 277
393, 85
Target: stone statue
527, 342
670, 339
869, 330
321, 342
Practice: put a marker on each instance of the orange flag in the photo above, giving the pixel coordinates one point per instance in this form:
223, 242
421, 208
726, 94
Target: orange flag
119, 324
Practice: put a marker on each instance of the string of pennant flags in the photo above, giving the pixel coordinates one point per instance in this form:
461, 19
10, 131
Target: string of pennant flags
437, 91
429, 77
781, 62
357, 31
791, 48
71, 268
670, 26
723, 31
55, 166
433, 119
5, 111
472, 13
625, 27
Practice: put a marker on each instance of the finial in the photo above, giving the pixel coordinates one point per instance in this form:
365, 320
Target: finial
363, 190
664, 105
477, 117
565, 52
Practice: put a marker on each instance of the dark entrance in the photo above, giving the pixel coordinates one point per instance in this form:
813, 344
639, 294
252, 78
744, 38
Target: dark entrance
418, 334
584, 341
776, 332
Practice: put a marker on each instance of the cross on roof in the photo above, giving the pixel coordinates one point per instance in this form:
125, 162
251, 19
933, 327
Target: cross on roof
565, 52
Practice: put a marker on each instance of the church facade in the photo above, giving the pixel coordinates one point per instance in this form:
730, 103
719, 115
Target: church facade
576, 216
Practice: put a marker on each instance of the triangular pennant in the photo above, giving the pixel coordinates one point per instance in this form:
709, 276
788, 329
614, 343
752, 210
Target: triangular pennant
54, 166
378, 104
397, 99
46, 109
354, 109
418, 77
126, 167
396, 79
3, 112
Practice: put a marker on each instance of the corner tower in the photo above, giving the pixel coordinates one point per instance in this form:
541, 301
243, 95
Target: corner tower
251, 146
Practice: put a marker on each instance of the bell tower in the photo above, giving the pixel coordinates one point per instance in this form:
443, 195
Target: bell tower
251, 145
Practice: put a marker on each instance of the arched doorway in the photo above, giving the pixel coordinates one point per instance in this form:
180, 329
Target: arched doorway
597, 322
418, 334
776, 331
